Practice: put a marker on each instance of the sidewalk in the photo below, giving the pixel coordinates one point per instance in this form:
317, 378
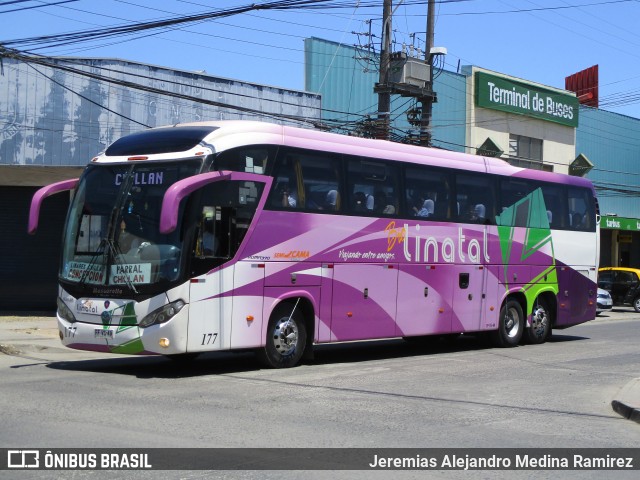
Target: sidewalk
627, 401
37, 338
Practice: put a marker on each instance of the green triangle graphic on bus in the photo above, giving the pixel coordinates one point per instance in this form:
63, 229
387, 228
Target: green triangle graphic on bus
529, 213
128, 318
538, 231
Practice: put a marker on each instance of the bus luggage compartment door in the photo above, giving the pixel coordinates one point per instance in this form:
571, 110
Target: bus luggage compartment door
424, 300
469, 297
364, 301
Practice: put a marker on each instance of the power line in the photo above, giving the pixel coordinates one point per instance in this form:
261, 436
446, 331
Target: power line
33, 6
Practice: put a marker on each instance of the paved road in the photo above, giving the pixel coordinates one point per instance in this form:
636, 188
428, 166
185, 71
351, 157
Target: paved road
377, 394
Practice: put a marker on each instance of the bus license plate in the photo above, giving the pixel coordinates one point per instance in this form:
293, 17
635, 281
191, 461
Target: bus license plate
100, 333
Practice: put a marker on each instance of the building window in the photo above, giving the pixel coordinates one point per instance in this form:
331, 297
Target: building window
526, 152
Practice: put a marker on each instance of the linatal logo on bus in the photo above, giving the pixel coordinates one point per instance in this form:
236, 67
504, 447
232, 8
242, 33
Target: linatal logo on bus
429, 249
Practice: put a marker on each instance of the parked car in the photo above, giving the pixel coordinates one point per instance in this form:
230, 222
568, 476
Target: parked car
604, 302
623, 284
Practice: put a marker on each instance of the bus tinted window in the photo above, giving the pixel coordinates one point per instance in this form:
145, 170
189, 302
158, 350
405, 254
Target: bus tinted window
161, 140
512, 191
307, 180
321, 179
428, 193
372, 187
581, 210
555, 201
475, 198
256, 159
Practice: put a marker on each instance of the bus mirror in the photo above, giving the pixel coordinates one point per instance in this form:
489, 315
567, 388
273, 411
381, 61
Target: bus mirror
40, 195
182, 188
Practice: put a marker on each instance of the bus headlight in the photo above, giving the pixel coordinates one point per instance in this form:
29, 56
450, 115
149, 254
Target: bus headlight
162, 314
65, 312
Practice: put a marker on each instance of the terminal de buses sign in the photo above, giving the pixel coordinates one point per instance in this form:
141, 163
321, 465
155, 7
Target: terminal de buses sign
499, 93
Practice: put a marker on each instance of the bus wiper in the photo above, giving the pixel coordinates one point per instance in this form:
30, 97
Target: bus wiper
92, 262
115, 253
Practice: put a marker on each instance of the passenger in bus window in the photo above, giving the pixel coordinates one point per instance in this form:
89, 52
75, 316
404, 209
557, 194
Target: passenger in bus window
289, 196
416, 201
382, 205
576, 221
127, 242
427, 208
359, 202
331, 201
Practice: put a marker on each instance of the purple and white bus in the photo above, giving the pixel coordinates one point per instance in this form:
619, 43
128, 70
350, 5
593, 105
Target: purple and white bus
244, 235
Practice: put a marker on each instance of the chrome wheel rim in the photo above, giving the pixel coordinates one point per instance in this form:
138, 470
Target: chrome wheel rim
285, 336
512, 323
539, 321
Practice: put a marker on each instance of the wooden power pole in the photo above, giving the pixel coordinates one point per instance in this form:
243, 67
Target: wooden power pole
427, 101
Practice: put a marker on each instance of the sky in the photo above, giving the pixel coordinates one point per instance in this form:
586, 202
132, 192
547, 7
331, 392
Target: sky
537, 40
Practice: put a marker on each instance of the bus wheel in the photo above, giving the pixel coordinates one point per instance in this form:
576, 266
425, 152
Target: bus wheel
540, 327
286, 338
511, 325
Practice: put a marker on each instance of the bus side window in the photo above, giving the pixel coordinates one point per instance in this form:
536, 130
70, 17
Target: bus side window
255, 159
512, 191
321, 174
372, 187
306, 180
285, 192
427, 193
581, 209
475, 195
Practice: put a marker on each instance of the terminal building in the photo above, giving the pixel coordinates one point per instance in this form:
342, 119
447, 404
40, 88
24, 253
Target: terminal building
494, 114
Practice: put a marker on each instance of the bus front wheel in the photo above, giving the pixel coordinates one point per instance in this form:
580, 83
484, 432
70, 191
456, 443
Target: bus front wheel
286, 338
511, 325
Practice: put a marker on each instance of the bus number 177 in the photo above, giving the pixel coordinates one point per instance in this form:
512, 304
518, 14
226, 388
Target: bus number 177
209, 338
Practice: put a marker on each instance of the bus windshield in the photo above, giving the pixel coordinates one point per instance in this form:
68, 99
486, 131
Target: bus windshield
112, 236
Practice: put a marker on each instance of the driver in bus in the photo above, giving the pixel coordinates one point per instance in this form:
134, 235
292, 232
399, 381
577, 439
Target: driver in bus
127, 241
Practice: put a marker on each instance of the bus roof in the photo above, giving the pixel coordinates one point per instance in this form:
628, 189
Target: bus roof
226, 134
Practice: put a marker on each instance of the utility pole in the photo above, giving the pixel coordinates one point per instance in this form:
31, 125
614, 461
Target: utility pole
384, 93
404, 75
427, 101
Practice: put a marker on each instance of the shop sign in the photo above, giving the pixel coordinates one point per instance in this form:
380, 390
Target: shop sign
618, 223
499, 93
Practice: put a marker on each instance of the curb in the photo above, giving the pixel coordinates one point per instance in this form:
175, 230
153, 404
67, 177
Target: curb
627, 403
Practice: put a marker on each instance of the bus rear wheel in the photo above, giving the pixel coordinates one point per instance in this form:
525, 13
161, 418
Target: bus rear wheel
538, 331
286, 338
511, 325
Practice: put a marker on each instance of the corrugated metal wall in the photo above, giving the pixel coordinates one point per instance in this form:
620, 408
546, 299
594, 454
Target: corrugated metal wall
345, 77
612, 143
54, 117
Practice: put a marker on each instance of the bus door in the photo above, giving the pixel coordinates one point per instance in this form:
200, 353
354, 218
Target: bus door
364, 301
207, 330
424, 300
469, 297
246, 319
